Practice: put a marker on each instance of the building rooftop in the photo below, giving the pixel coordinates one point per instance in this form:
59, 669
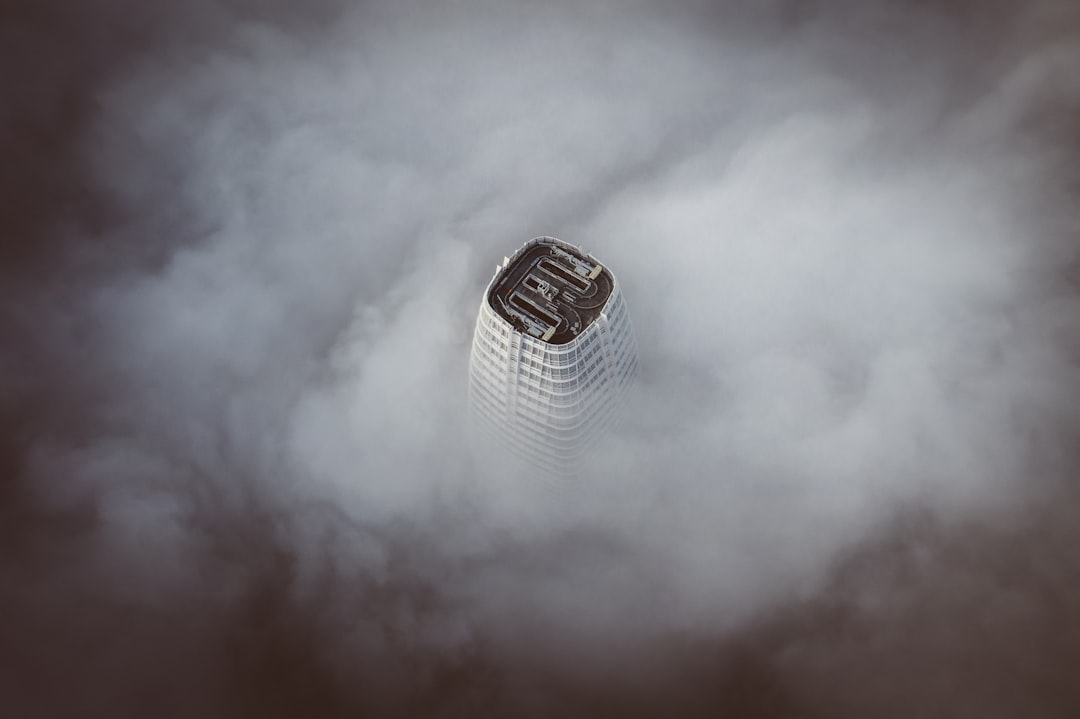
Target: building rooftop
551, 291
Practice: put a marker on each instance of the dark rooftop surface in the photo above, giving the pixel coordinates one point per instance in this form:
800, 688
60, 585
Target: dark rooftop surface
551, 292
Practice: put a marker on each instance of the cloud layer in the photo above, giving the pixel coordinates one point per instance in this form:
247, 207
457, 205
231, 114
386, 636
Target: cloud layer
243, 260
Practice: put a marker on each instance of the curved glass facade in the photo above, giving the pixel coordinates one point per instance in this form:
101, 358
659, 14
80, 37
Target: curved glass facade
547, 401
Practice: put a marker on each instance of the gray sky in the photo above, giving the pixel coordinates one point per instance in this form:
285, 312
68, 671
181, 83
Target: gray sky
243, 250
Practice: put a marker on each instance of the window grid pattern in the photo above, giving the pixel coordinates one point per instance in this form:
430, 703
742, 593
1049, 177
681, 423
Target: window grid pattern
548, 402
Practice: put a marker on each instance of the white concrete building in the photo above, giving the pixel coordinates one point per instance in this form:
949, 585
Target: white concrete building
553, 353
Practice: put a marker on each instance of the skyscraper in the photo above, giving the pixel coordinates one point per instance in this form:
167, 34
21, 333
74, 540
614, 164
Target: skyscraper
552, 355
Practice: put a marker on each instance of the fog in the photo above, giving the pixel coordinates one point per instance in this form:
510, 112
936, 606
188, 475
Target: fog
244, 248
